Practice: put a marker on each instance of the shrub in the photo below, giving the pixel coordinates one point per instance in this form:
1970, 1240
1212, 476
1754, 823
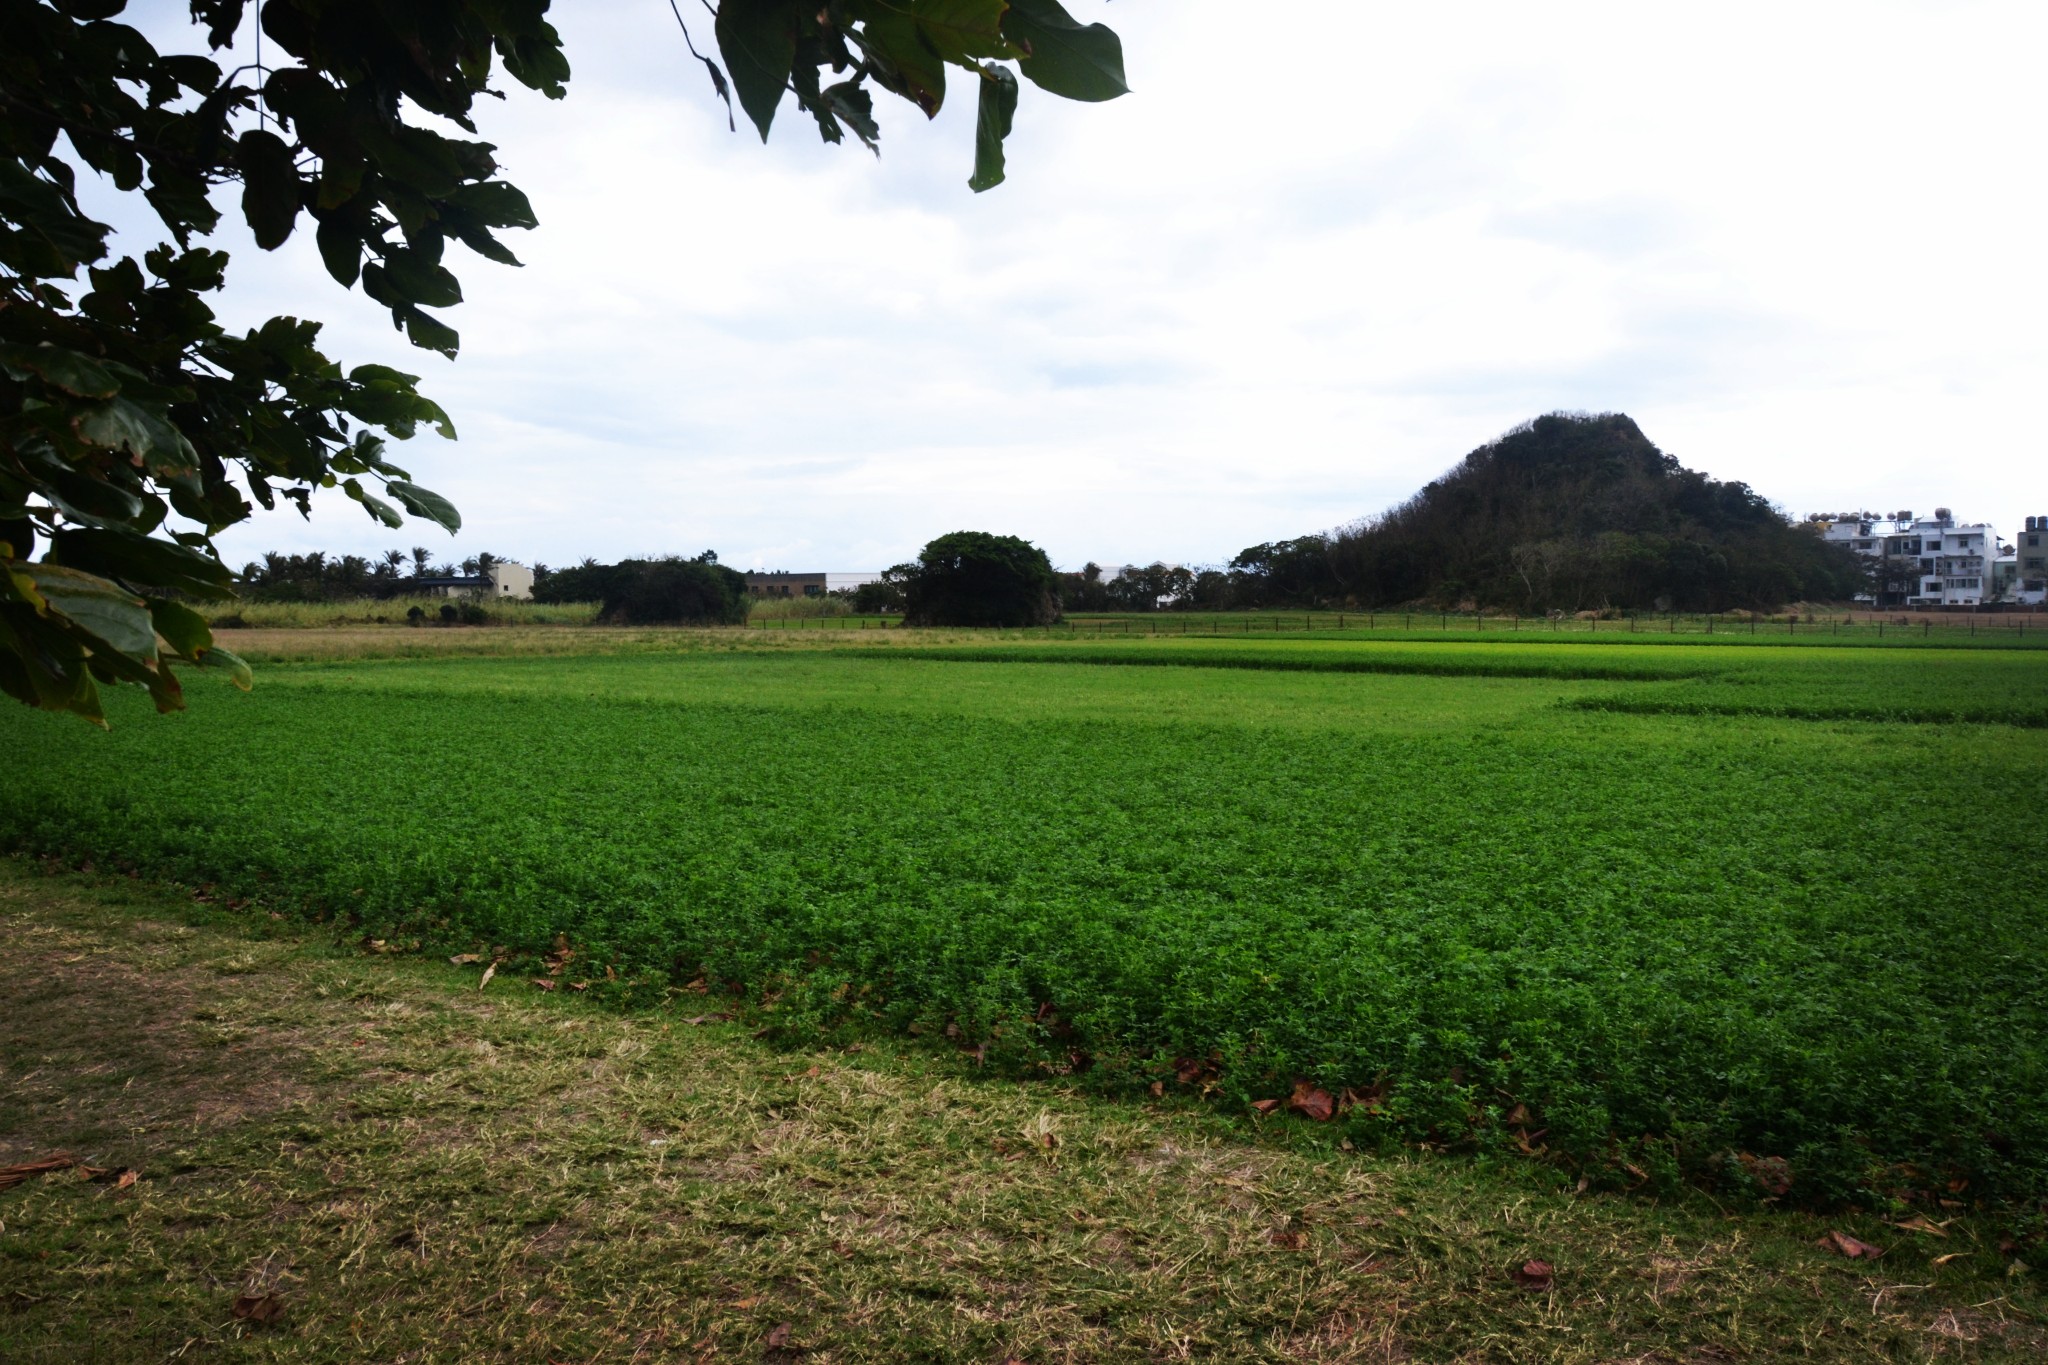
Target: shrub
672, 591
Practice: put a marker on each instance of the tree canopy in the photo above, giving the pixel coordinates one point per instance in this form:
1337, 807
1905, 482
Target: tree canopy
134, 428
973, 578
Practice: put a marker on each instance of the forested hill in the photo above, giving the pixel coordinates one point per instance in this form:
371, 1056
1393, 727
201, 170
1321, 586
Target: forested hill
1572, 512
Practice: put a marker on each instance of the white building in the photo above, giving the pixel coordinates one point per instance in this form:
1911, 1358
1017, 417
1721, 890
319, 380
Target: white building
1940, 562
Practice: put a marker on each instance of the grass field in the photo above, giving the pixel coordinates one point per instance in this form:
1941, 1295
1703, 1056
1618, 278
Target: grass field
1728, 914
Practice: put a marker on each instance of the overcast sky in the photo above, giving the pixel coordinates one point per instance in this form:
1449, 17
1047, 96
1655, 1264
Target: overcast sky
1320, 252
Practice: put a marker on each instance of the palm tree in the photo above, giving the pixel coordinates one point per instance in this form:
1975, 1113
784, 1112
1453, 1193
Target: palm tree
422, 561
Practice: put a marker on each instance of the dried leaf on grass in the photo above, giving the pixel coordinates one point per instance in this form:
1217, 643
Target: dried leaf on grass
1536, 1276
10, 1176
1288, 1239
1920, 1222
257, 1307
1312, 1102
778, 1335
1842, 1244
489, 972
708, 1019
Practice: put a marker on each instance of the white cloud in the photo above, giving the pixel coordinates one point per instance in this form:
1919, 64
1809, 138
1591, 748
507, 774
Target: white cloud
1320, 252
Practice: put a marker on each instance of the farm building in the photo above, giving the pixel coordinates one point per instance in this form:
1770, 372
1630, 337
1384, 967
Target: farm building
502, 579
781, 584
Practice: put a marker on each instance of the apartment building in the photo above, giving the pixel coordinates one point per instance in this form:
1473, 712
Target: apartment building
1936, 561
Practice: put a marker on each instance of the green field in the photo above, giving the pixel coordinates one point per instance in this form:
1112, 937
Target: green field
1656, 911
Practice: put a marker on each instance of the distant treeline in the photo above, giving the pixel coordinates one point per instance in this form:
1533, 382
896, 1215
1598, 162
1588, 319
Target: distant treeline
1567, 513
320, 577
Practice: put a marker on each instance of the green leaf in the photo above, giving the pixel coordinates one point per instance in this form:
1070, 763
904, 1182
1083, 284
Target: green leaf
423, 503
377, 507
1073, 60
57, 238
428, 332
183, 629
419, 280
341, 249
270, 187
60, 369
855, 108
995, 111
143, 431
903, 60
496, 203
109, 613
146, 562
757, 38
213, 656
959, 30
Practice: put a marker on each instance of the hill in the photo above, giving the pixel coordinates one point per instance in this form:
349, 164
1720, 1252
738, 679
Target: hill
1569, 512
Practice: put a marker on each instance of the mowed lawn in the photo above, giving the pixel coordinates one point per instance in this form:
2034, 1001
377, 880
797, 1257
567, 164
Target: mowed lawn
1654, 914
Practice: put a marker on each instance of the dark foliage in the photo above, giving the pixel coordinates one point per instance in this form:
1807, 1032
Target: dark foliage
583, 582
320, 577
883, 597
670, 591
972, 578
1566, 513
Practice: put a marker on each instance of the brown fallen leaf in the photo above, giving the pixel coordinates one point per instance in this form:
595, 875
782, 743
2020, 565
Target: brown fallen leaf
778, 1335
1952, 1256
579, 985
259, 1308
1773, 1174
465, 959
543, 983
10, 1176
489, 972
748, 1302
1312, 1102
708, 1019
1535, 1276
1265, 1106
1920, 1222
1158, 1090
1842, 1244
1288, 1239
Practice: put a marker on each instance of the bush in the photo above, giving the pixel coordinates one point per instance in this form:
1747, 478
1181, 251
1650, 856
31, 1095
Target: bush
972, 578
672, 592
883, 597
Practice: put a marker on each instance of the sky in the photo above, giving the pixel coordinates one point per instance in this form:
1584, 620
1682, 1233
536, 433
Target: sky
1320, 252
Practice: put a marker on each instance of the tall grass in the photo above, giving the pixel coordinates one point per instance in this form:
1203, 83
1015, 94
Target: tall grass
371, 611
798, 608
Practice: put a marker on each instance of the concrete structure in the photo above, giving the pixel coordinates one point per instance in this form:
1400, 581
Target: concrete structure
1939, 561
503, 579
2030, 563
782, 584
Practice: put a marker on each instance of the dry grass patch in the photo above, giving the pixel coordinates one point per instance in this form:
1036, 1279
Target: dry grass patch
383, 1163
